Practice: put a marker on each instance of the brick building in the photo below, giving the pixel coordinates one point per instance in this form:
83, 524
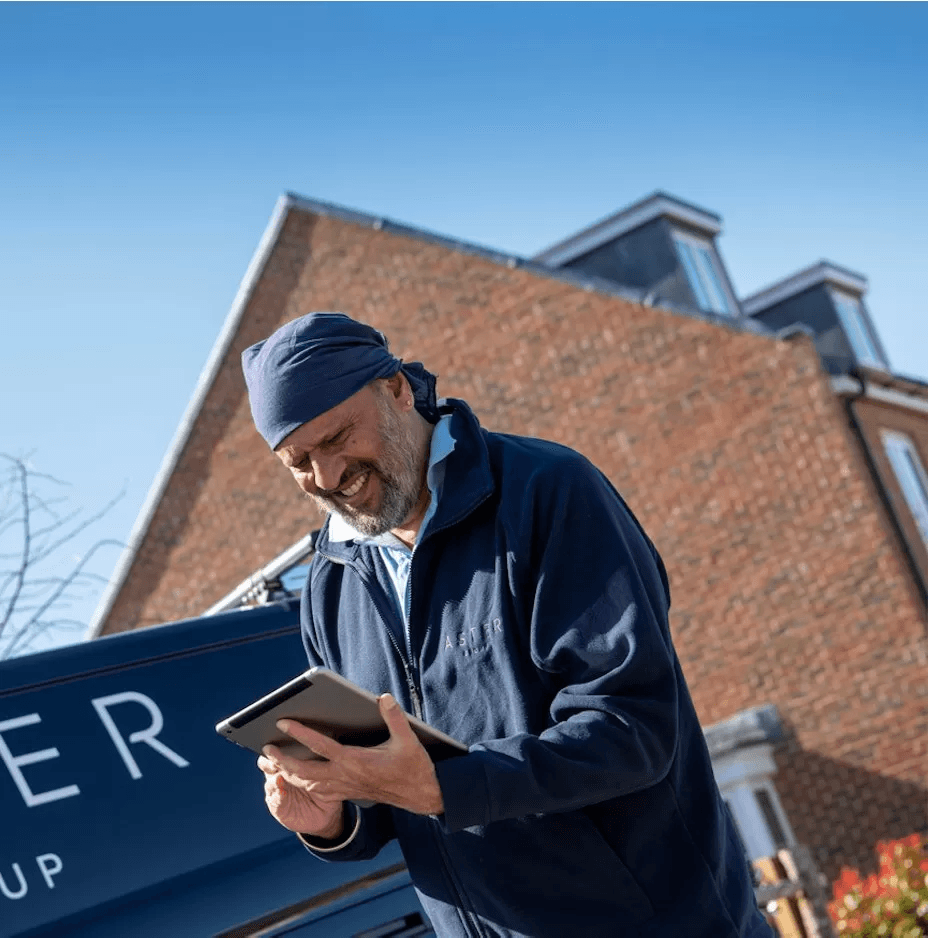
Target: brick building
772, 456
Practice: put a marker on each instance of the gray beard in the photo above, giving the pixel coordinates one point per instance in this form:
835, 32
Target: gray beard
401, 471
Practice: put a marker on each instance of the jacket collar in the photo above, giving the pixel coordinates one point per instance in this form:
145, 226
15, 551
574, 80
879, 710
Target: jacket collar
468, 480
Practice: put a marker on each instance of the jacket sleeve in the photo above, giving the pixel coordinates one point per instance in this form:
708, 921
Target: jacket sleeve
596, 597
367, 830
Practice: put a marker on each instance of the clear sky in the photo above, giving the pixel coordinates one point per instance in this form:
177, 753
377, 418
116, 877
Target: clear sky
143, 146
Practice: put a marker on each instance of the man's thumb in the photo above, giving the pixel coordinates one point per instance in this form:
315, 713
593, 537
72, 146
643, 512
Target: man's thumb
393, 715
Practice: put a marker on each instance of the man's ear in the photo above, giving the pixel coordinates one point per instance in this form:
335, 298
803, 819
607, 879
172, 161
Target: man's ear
398, 387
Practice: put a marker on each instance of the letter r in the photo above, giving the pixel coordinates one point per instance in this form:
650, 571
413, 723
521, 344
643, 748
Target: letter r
148, 736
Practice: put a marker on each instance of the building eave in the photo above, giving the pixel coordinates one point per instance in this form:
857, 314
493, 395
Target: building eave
654, 206
883, 387
822, 272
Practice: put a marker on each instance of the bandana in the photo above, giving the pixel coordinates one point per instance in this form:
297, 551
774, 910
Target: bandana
313, 363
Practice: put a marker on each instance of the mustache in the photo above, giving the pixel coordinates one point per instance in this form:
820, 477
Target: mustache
348, 476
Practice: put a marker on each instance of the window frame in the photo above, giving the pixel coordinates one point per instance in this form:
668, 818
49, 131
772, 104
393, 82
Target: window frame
856, 326
700, 262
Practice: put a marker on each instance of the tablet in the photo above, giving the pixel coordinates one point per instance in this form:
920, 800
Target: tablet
330, 704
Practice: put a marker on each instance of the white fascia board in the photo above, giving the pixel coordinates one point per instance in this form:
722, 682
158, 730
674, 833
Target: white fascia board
182, 434
743, 766
626, 220
822, 272
846, 387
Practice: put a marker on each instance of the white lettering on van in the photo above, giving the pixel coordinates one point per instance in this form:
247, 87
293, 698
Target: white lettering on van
13, 763
49, 865
23, 888
147, 736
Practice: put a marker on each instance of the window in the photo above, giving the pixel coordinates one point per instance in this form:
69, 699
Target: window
857, 330
912, 477
698, 260
765, 801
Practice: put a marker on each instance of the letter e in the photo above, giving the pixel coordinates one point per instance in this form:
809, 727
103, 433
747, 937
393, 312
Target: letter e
14, 762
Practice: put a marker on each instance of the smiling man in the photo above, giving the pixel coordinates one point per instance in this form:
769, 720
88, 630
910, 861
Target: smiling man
499, 588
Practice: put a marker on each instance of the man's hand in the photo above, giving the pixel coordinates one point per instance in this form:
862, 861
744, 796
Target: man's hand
398, 772
293, 804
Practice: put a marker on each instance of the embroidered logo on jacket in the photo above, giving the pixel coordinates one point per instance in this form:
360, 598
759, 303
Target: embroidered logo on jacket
475, 639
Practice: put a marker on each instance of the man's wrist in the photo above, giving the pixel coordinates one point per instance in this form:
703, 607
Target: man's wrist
334, 831
339, 840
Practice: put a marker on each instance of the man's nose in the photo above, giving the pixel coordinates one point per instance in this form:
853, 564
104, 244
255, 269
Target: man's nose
327, 472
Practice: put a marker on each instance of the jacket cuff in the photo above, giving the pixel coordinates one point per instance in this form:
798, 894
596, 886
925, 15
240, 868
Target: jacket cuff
318, 845
464, 793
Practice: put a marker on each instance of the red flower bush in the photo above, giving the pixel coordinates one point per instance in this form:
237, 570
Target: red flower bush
893, 902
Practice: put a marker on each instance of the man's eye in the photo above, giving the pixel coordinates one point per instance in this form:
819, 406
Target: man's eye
336, 440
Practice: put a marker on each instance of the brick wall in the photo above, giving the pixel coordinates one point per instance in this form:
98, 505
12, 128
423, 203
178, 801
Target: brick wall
787, 586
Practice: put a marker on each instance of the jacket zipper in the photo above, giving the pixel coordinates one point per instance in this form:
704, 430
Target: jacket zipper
469, 919
407, 631
375, 592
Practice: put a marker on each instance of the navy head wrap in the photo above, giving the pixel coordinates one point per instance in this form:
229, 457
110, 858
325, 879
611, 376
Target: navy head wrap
313, 363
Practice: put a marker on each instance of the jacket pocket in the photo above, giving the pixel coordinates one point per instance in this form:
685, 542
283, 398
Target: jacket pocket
553, 875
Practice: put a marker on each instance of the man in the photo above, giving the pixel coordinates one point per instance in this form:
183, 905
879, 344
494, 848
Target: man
499, 588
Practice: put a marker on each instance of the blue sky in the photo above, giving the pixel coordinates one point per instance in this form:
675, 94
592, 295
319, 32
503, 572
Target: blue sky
143, 146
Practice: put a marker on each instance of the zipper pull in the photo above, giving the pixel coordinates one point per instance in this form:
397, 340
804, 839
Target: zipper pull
414, 694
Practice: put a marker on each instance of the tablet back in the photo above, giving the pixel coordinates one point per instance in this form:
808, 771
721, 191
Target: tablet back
323, 700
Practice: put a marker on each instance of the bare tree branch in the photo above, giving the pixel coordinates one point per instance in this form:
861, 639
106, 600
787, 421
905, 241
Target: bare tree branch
36, 525
19, 574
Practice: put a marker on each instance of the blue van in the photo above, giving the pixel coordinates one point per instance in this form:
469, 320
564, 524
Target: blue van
124, 815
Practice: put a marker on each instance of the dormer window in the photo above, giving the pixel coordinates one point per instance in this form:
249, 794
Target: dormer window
857, 330
828, 301
660, 247
698, 260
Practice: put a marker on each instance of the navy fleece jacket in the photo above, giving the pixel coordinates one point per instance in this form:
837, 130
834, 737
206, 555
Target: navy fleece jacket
539, 635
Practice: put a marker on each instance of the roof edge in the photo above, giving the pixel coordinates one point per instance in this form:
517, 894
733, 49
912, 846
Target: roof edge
633, 216
822, 272
906, 393
381, 223
185, 428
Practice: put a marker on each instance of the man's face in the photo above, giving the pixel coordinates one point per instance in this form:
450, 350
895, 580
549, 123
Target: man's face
361, 458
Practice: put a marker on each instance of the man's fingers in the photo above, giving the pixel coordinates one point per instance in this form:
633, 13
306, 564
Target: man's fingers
279, 784
305, 770
267, 764
317, 742
394, 717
